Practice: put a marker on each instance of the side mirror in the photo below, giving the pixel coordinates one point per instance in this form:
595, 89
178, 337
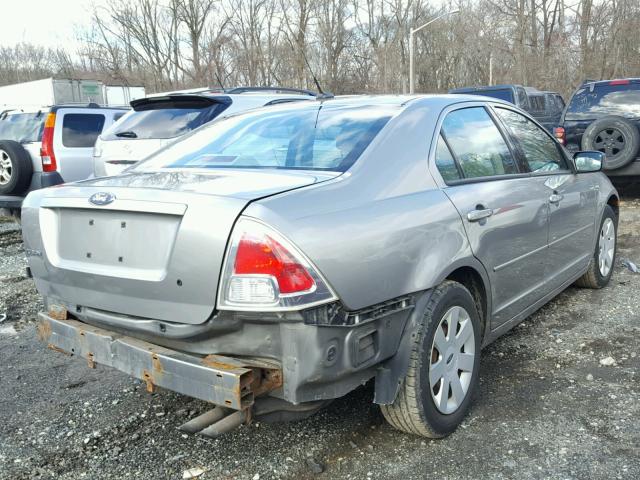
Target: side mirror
590, 161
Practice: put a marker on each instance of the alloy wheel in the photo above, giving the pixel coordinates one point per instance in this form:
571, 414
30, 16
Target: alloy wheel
610, 141
6, 168
452, 360
606, 247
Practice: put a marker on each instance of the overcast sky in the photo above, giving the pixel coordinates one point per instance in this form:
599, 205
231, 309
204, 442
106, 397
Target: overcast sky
44, 22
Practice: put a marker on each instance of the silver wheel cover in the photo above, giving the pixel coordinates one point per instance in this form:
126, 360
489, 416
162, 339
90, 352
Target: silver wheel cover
606, 247
452, 359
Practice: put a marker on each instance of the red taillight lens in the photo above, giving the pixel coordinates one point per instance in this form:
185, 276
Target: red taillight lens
46, 150
559, 134
265, 256
263, 271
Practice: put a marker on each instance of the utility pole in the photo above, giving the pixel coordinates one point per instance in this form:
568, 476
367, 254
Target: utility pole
411, 34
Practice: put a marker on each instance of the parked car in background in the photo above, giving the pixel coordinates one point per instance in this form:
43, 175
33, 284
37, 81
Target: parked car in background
546, 107
45, 146
274, 260
160, 119
605, 116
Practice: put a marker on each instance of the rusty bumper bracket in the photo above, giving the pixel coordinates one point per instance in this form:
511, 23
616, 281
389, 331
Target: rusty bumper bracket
224, 381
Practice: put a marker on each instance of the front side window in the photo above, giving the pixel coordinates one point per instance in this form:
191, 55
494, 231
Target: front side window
540, 150
80, 130
318, 138
477, 143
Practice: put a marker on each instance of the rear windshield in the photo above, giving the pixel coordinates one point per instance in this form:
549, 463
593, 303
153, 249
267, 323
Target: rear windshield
622, 100
22, 127
80, 130
163, 121
319, 138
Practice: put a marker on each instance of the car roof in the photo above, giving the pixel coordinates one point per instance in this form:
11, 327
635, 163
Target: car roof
17, 109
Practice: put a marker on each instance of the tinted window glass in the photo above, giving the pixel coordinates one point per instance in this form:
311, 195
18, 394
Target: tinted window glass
540, 150
80, 130
445, 162
22, 127
477, 143
623, 100
537, 103
318, 138
163, 122
522, 98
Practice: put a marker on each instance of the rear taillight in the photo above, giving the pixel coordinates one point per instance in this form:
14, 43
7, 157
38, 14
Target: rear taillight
46, 150
264, 271
559, 134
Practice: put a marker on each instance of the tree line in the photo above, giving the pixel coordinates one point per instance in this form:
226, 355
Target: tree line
351, 46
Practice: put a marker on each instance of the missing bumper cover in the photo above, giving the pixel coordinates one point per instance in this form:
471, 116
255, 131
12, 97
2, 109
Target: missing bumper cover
224, 381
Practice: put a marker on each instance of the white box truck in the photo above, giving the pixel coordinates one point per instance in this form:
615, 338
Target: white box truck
53, 91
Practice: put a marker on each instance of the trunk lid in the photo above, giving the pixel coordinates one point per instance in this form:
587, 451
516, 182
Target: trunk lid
149, 245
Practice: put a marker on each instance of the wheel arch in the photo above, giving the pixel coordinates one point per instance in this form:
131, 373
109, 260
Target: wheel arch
470, 273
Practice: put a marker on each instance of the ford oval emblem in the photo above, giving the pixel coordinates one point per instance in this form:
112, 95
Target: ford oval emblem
102, 198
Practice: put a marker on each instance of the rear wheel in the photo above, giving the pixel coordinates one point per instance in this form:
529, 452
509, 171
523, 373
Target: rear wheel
604, 257
15, 168
437, 391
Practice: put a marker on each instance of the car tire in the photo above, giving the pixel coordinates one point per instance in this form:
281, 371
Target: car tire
420, 407
616, 137
16, 168
597, 277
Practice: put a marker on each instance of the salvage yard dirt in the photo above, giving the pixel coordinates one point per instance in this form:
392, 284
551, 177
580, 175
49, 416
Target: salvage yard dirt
559, 398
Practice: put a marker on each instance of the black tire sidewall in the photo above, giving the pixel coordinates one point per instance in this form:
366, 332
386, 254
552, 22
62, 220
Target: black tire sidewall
628, 129
603, 281
455, 295
22, 168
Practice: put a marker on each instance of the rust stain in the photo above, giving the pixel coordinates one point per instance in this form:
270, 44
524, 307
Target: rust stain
214, 361
44, 330
55, 348
267, 380
157, 365
148, 379
90, 360
57, 312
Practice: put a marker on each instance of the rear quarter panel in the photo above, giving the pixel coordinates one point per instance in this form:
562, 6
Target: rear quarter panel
383, 229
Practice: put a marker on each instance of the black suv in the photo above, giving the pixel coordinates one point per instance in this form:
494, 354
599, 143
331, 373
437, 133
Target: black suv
605, 116
545, 107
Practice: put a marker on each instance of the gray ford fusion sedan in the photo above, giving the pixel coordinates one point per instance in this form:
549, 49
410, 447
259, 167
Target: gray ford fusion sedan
272, 261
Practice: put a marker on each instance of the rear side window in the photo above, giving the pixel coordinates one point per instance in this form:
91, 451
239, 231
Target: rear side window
22, 127
445, 162
80, 130
164, 121
522, 99
537, 103
477, 144
540, 150
622, 100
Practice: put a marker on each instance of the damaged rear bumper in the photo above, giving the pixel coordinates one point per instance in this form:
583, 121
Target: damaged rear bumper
224, 381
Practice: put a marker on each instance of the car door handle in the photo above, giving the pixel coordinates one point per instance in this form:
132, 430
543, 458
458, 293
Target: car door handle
555, 198
479, 214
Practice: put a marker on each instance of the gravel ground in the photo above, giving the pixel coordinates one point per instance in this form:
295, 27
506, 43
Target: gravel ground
547, 407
